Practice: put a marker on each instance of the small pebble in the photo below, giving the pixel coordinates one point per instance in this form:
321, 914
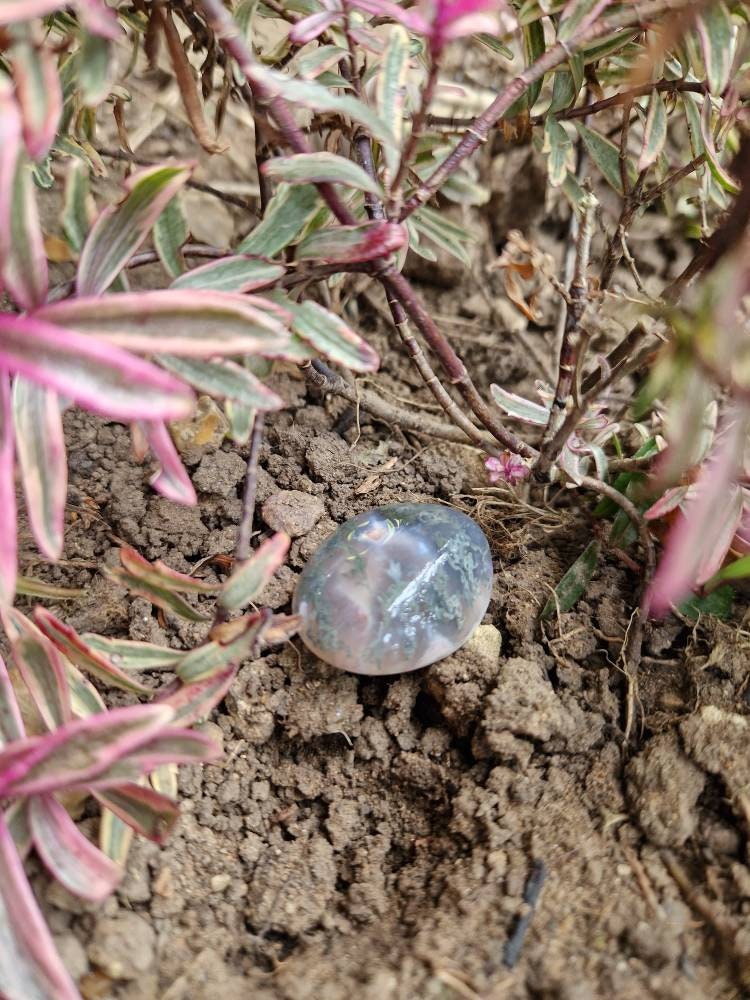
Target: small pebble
292, 511
395, 589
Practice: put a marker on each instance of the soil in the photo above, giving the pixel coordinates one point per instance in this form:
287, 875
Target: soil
375, 837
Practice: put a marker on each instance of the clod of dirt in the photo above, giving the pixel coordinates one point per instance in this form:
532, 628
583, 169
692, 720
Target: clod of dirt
293, 512
292, 886
664, 786
459, 683
207, 976
718, 741
220, 472
123, 947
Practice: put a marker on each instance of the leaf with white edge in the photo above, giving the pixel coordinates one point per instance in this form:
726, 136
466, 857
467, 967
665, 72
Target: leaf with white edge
314, 63
132, 654
99, 377
163, 598
328, 334
670, 501
84, 697
314, 96
9, 533
115, 837
42, 669
170, 233
23, 263
188, 322
714, 27
239, 273
391, 93
144, 810
350, 244
214, 657
444, 233
90, 660
40, 446
286, 215
241, 418
223, 380
164, 780
171, 479
161, 575
558, 146
172, 746
605, 155
320, 168
72, 859
38, 94
80, 751
121, 229
78, 206
29, 586
96, 68
249, 579
30, 968
574, 582
11, 723
517, 406
655, 131
720, 174
194, 702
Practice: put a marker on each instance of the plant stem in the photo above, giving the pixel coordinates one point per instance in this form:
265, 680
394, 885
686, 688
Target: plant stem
242, 549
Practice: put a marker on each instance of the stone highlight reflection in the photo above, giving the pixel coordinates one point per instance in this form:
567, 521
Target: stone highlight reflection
395, 589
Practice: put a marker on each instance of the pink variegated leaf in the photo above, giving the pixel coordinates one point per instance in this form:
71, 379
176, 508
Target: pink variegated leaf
90, 660
80, 751
193, 702
11, 723
352, 243
42, 669
9, 533
328, 334
23, 263
214, 657
236, 273
39, 95
186, 322
669, 501
30, 968
174, 746
95, 14
146, 811
249, 578
225, 380
700, 539
17, 819
72, 859
172, 480
158, 574
308, 28
120, 229
99, 377
40, 446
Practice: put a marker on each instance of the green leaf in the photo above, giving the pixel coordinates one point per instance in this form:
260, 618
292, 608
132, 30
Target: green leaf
170, 233
223, 380
533, 47
494, 44
318, 168
574, 16
286, 215
655, 131
605, 155
29, 586
720, 174
391, 94
115, 837
328, 334
130, 654
718, 603
557, 145
213, 657
714, 27
342, 244
737, 570
312, 95
446, 234
96, 67
120, 229
231, 274
249, 579
574, 583
78, 206
564, 91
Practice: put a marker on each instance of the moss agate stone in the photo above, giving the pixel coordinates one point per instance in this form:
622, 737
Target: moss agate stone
395, 589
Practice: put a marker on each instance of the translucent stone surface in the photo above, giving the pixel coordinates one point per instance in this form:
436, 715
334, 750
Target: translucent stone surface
395, 588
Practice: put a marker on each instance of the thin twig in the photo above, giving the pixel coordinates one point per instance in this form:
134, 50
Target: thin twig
230, 199
531, 894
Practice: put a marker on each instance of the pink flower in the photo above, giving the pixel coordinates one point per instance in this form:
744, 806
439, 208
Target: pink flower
509, 467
